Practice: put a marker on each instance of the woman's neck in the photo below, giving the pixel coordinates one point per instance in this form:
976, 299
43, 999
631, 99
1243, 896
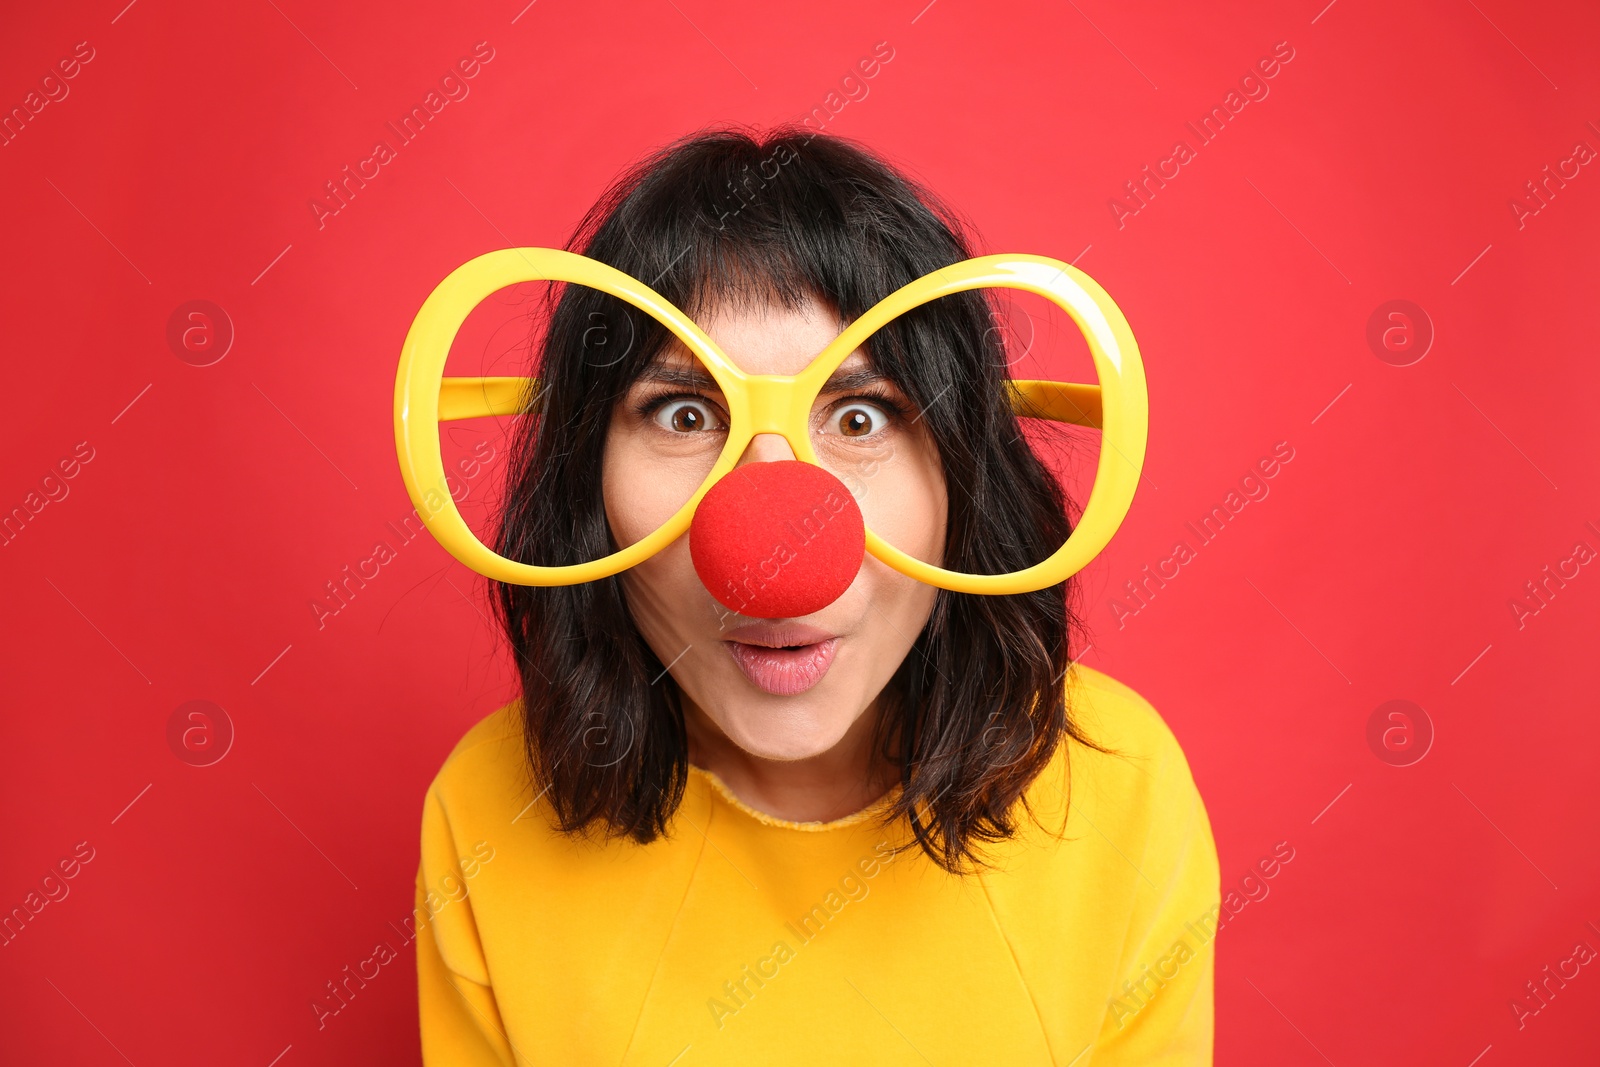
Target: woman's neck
830, 785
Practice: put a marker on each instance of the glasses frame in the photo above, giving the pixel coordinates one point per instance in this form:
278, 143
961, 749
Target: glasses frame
771, 403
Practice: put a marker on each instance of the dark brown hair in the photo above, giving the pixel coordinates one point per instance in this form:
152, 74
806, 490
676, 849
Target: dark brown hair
977, 708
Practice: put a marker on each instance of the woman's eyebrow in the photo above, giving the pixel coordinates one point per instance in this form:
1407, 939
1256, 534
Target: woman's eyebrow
694, 376
688, 375
842, 381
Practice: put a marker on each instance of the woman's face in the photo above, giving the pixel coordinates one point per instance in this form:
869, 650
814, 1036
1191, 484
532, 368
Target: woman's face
776, 702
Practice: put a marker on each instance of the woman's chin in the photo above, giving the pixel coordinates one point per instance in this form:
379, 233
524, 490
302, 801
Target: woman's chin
788, 735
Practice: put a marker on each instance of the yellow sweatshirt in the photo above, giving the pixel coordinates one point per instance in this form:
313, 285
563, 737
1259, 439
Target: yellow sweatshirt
745, 939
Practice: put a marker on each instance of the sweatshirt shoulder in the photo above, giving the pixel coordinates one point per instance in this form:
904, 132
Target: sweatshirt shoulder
489, 758
1139, 776
1118, 717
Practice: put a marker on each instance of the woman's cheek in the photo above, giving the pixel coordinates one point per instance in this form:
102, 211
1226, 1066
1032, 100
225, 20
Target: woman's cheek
904, 503
633, 499
663, 593
645, 487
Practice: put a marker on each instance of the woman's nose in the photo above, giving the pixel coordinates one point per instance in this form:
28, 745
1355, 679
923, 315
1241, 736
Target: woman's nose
767, 448
777, 538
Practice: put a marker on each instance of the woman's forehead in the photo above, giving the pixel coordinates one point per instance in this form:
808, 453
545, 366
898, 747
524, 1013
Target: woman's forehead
765, 336
761, 334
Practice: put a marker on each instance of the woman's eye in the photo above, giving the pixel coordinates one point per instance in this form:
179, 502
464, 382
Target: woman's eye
686, 416
857, 419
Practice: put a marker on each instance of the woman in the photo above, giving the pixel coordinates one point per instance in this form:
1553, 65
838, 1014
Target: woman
705, 836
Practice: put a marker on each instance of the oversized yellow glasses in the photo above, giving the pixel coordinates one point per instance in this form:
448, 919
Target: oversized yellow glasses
769, 403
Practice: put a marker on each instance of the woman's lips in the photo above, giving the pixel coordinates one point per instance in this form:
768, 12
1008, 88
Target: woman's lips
784, 671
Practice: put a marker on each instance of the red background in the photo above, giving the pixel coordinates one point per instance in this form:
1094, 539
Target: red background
182, 564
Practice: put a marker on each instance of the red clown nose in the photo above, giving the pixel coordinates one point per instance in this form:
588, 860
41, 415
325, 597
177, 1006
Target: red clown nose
777, 540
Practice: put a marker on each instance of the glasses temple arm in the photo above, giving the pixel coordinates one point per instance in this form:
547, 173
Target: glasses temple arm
1071, 402
472, 398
